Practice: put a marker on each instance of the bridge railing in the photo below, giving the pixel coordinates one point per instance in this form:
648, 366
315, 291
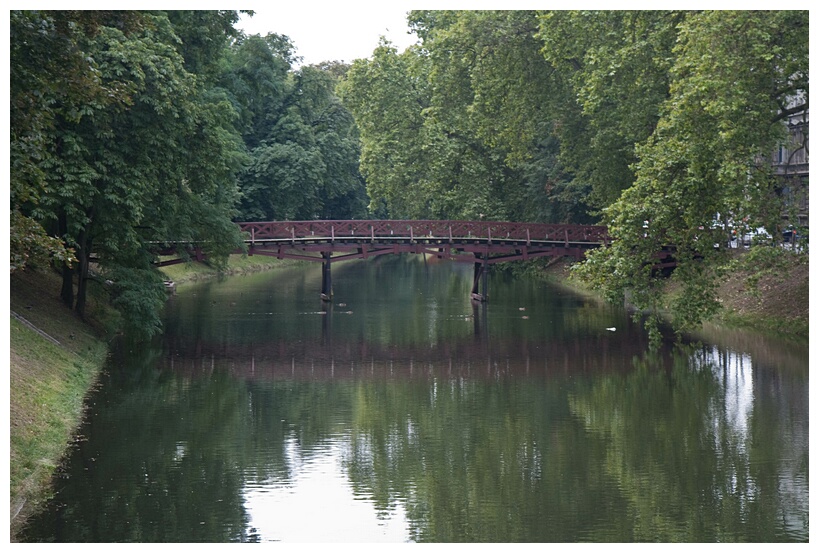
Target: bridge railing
448, 230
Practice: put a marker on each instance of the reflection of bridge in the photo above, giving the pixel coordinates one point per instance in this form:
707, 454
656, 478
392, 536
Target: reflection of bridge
480, 356
480, 242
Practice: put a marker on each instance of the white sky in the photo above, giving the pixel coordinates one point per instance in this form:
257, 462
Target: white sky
328, 31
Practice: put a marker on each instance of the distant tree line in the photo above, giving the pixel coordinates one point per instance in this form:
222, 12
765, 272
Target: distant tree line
130, 128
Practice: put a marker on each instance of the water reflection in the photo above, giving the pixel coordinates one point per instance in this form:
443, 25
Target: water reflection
411, 414
288, 511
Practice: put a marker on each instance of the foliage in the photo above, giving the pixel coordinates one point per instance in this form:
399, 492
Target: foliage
385, 95
49, 78
140, 294
302, 143
613, 70
733, 76
139, 150
30, 246
460, 126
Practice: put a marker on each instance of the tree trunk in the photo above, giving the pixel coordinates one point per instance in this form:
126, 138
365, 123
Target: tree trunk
67, 292
83, 256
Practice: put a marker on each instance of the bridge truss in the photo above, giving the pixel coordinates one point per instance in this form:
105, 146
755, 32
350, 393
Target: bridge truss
482, 243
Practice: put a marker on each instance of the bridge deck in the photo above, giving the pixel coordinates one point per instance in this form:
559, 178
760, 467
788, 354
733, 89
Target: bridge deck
491, 240
486, 241
450, 231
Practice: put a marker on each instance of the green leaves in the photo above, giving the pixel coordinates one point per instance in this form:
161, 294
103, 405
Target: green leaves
129, 147
703, 159
460, 126
302, 143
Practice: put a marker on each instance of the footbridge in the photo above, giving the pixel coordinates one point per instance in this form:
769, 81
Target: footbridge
482, 243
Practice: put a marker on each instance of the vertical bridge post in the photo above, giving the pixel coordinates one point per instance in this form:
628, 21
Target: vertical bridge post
480, 283
326, 277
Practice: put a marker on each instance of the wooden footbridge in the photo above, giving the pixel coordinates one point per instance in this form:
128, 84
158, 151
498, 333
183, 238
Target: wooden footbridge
482, 243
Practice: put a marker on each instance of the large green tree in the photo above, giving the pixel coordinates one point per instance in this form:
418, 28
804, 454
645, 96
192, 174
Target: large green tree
735, 80
49, 79
461, 126
386, 97
611, 74
149, 156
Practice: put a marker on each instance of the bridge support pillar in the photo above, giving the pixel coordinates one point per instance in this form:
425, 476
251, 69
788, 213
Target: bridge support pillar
326, 277
480, 281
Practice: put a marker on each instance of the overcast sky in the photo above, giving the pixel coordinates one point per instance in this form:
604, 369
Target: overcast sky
327, 31
344, 30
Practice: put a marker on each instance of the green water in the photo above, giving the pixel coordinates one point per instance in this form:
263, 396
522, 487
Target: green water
402, 411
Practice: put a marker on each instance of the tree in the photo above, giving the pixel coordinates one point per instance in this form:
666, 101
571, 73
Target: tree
255, 76
386, 96
49, 78
302, 141
736, 76
461, 125
613, 73
149, 155
203, 36
342, 189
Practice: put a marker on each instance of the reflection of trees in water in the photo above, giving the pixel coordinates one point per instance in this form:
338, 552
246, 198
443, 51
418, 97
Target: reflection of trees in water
481, 425
698, 452
156, 461
666, 447
765, 350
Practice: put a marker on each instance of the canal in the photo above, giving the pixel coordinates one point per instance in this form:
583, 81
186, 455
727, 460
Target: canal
404, 412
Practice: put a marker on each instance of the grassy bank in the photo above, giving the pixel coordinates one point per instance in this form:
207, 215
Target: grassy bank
767, 293
237, 264
55, 359
763, 290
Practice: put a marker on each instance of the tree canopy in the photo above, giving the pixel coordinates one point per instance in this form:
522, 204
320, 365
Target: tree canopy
658, 124
735, 76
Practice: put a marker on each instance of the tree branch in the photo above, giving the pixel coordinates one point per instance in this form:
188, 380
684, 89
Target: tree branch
785, 113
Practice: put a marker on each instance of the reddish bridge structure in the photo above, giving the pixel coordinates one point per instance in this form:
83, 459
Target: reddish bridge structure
483, 243
480, 242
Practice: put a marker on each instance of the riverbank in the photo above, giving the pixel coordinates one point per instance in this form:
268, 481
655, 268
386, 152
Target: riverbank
237, 264
760, 292
55, 360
